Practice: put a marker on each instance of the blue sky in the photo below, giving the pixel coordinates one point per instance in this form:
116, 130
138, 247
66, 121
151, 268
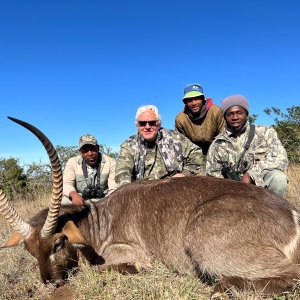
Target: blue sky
76, 67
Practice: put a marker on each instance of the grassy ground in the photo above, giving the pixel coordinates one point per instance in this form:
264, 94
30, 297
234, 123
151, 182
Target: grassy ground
19, 276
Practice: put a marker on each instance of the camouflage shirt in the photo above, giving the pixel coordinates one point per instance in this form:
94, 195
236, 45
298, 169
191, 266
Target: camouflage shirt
159, 158
265, 153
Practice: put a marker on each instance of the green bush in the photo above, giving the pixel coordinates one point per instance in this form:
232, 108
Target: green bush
12, 177
287, 126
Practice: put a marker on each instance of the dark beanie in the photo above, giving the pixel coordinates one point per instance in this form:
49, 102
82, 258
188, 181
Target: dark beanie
233, 100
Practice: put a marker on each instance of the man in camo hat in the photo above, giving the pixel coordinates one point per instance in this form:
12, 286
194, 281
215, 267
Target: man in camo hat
88, 176
260, 160
154, 152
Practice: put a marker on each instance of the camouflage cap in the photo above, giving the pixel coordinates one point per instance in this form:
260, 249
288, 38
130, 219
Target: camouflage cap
87, 139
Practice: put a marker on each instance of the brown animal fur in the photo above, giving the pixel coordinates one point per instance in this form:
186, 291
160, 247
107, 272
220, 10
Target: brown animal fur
212, 228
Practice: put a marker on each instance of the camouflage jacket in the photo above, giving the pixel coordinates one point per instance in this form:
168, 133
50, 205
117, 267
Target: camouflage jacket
265, 153
154, 164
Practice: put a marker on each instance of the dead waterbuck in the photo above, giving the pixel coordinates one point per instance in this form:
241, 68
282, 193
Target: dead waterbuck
236, 234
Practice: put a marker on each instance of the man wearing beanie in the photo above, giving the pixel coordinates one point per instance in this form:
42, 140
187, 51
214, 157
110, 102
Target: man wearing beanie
253, 153
200, 120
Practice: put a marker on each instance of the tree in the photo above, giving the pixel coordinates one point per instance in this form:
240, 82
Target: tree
12, 177
39, 179
65, 152
287, 126
252, 118
108, 151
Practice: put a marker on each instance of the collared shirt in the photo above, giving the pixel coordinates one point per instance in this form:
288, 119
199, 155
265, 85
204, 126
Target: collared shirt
73, 179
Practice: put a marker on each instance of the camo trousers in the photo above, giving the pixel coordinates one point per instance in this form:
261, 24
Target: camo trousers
276, 181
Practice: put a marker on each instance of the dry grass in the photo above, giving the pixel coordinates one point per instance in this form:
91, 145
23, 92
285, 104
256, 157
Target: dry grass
293, 195
19, 277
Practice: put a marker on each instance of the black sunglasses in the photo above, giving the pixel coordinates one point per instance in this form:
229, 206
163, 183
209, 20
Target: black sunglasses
144, 123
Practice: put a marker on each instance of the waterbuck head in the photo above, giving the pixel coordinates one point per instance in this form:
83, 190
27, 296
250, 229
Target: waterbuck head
55, 251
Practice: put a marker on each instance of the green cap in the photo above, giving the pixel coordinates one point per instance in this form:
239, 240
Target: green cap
193, 90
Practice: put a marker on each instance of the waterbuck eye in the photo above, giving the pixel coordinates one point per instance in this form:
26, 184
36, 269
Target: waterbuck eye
58, 244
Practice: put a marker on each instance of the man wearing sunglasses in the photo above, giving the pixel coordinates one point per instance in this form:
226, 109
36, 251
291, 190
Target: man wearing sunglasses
155, 152
201, 120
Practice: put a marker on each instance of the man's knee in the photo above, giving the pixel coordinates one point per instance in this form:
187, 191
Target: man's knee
276, 181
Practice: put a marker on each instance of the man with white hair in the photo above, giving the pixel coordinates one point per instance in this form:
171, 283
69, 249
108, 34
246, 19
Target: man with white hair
154, 152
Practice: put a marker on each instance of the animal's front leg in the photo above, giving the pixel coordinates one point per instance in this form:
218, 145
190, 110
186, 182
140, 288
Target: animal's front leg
125, 258
92, 256
123, 268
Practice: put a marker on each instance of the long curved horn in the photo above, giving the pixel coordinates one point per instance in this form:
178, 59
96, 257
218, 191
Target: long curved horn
57, 188
13, 218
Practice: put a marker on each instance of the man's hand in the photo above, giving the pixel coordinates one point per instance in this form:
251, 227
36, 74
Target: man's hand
178, 175
247, 178
76, 198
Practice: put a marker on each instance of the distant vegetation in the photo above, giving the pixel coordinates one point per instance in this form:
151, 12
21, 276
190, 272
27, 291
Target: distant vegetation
287, 126
32, 180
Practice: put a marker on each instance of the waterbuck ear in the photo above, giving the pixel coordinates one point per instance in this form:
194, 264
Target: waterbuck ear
15, 240
74, 235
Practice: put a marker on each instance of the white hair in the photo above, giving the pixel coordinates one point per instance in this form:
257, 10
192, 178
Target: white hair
145, 108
